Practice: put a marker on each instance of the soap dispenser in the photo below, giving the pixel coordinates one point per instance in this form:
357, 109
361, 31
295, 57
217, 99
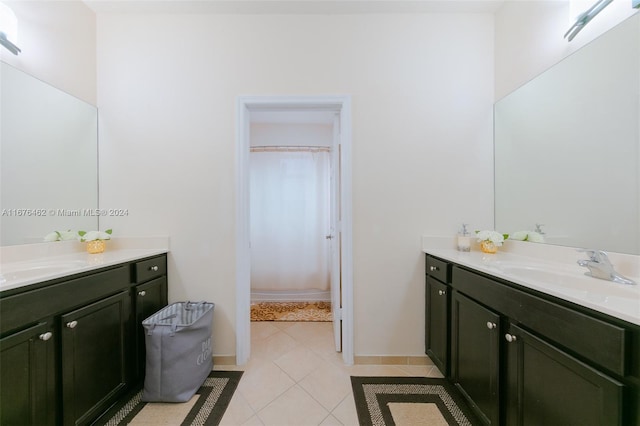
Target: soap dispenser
464, 239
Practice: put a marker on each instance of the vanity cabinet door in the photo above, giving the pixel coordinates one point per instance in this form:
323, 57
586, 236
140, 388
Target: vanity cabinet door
94, 344
27, 374
437, 324
546, 386
150, 298
475, 355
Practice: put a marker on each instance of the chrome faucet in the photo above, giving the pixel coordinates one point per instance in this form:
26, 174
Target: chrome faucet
600, 266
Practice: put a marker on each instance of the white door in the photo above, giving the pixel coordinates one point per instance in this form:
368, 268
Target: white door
334, 236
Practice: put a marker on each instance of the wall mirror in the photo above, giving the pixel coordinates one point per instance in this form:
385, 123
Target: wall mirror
48, 160
567, 148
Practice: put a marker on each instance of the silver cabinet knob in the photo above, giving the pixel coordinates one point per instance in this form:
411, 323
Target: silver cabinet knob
72, 324
510, 338
45, 336
491, 325
142, 293
433, 268
442, 292
153, 268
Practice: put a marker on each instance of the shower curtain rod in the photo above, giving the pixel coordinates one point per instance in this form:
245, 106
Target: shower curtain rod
290, 149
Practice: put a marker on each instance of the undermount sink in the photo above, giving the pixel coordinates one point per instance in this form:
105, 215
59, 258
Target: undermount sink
575, 284
28, 270
533, 271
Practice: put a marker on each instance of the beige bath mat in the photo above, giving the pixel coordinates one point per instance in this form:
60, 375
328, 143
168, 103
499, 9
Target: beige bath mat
291, 311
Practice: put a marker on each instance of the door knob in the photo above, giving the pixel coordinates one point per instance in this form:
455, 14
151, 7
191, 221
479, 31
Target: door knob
142, 293
491, 325
442, 292
72, 324
510, 338
46, 336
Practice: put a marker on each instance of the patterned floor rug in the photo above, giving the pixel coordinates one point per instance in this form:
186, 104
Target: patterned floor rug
409, 401
206, 408
291, 311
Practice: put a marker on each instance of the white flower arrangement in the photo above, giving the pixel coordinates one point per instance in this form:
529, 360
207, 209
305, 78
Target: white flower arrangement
493, 236
95, 235
532, 236
62, 236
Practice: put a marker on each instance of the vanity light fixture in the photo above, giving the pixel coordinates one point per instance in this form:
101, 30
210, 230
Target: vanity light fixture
8, 29
584, 18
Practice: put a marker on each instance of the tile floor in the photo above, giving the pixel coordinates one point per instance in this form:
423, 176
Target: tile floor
295, 377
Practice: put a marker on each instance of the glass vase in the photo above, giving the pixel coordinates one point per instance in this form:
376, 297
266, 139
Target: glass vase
488, 247
96, 246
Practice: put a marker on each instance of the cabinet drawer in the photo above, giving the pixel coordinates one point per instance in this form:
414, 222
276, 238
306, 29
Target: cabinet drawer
150, 269
438, 269
601, 342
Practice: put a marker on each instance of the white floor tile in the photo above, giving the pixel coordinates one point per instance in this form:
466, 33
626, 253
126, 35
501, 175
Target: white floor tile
327, 384
377, 370
274, 346
299, 362
346, 412
295, 407
331, 421
263, 385
238, 412
295, 377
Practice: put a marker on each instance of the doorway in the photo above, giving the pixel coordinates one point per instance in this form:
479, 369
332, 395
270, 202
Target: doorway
340, 234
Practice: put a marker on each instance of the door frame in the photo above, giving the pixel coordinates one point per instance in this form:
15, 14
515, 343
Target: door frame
340, 104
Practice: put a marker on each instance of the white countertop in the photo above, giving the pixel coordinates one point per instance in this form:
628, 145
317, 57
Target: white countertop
569, 281
33, 263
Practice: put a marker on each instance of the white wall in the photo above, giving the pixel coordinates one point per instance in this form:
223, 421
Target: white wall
293, 134
58, 43
422, 92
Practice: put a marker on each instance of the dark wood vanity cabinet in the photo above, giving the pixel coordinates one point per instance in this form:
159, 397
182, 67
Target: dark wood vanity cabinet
545, 386
556, 363
27, 376
68, 347
94, 343
524, 358
475, 355
437, 296
150, 295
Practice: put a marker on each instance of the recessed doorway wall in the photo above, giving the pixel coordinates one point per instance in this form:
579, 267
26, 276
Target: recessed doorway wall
340, 106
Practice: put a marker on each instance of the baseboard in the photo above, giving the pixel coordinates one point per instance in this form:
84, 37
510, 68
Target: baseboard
290, 296
224, 360
361, 360
392, 360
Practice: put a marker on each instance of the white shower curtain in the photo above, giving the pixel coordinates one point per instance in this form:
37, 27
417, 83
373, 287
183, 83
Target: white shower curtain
289, 220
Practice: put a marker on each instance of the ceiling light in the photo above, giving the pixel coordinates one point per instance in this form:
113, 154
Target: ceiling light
8, 29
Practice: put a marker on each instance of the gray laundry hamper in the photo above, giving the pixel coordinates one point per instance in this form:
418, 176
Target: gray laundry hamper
179, 352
